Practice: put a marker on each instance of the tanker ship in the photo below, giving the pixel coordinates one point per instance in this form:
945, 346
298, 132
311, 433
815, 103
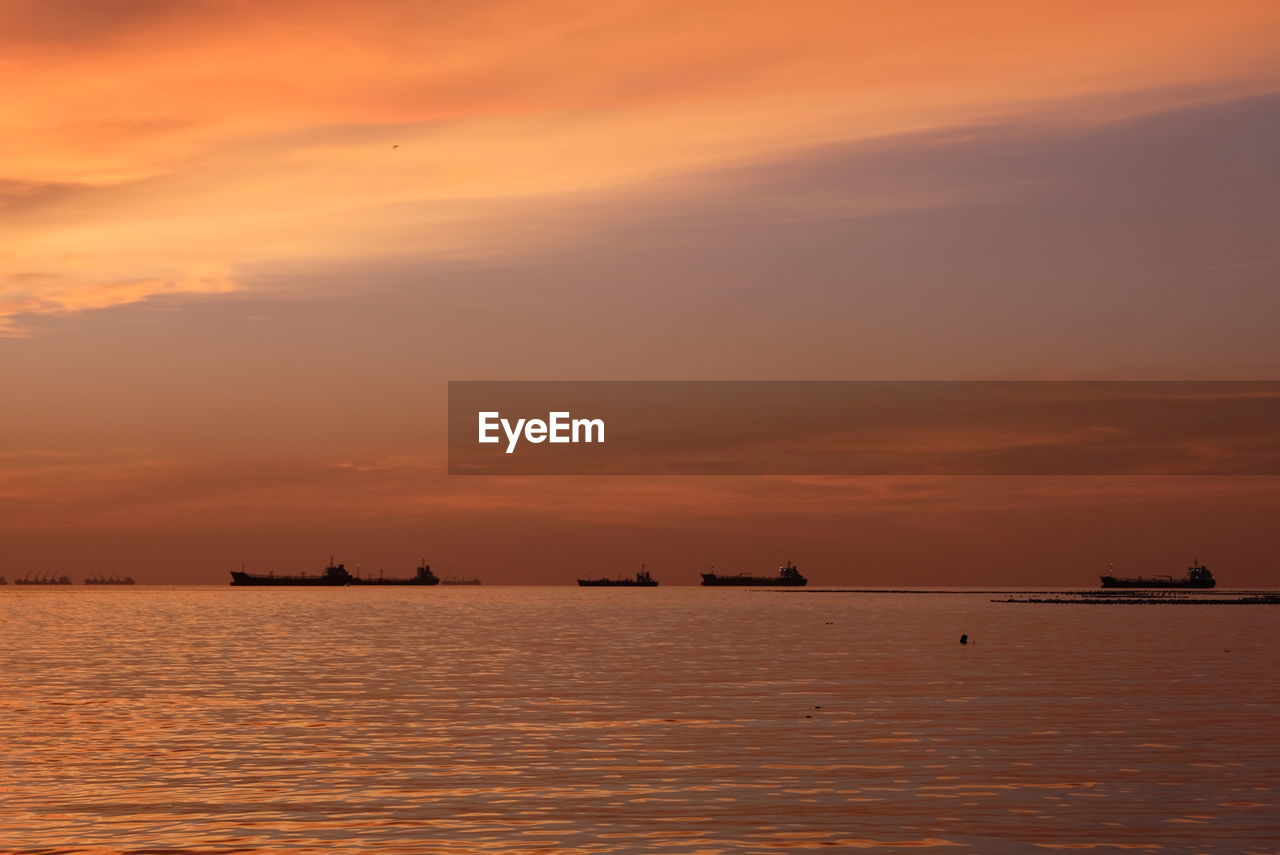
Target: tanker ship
641, 580
1198, 576
335, 575
788, 575
43, 579
423, 576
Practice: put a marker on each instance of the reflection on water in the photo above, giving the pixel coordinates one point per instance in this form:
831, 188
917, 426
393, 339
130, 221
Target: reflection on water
570, 720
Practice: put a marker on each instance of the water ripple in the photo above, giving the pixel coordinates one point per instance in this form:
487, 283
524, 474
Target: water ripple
683, 721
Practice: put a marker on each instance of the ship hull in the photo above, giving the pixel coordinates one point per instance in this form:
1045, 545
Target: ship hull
615, 583
1119, 582
240, 579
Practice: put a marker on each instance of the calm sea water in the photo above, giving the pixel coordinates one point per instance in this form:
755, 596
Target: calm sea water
675, 720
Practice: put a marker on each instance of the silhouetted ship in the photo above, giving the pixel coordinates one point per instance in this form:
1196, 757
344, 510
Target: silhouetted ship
424, 576
788, 575
455, 580
43, 579
335, 575
109, 580
1198, 576
641, 580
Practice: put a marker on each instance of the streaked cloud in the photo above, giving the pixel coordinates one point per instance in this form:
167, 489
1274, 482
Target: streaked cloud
417, 191
39, 294
147, 488
152, 142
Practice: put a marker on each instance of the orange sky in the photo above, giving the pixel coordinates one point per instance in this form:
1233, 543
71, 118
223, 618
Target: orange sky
245, 244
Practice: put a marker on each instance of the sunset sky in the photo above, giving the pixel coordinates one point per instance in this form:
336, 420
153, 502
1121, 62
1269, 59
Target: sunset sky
244, 245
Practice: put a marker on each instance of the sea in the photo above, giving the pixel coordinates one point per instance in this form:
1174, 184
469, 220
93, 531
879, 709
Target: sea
678, 720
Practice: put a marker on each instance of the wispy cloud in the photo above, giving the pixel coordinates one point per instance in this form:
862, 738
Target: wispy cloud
146, 146
27, 295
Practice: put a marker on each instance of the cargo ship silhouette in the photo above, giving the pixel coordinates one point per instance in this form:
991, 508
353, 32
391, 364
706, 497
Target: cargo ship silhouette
641, 580
43, 579
423, 576
335, 575
788, 575
1198, 576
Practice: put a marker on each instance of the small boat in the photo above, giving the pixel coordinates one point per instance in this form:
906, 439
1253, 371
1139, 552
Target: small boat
641, 580
1198, 576
788, 576
109, 580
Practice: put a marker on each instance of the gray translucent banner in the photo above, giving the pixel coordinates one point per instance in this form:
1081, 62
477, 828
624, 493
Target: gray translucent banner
863, 428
